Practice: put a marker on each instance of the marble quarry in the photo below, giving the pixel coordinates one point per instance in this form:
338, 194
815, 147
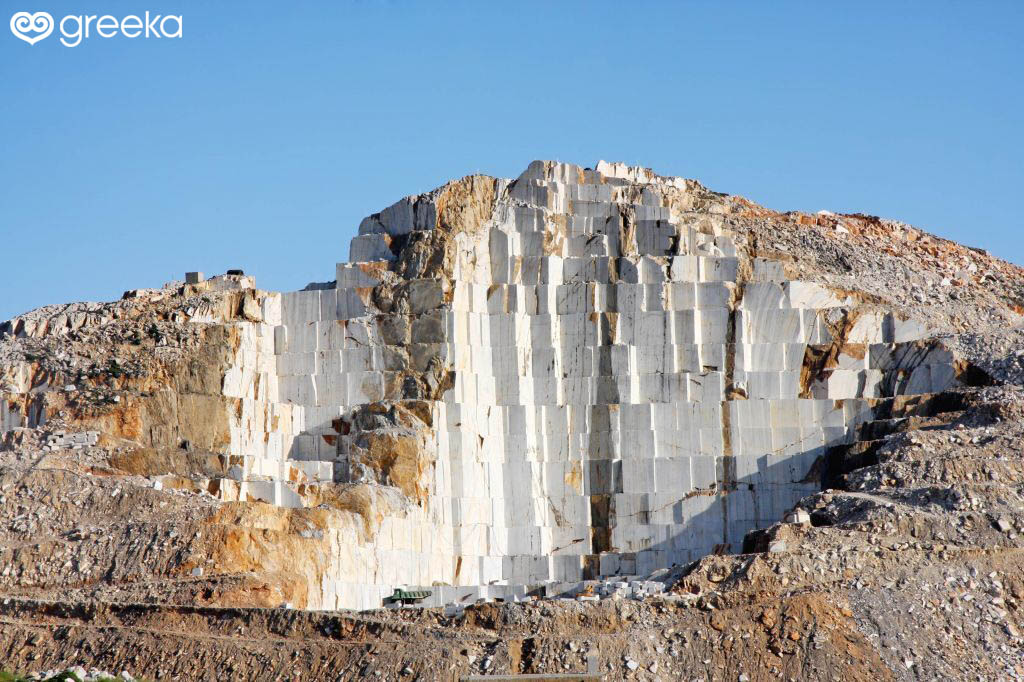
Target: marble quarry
576, 374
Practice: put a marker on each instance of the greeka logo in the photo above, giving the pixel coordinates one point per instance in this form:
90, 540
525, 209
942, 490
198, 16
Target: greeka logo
33, 27
40, 23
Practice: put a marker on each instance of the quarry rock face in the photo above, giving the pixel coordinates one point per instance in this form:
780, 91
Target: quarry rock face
571, 375
594, 383
568, 376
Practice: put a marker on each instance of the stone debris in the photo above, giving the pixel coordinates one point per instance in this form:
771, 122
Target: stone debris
80, 674
75, 441
799, 516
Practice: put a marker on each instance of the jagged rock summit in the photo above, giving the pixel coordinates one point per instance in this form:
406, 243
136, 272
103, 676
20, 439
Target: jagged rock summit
581, 382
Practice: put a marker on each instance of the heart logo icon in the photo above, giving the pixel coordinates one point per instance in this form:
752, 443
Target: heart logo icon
40, 23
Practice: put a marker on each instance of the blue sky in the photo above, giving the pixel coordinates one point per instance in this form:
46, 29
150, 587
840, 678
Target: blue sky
261, 137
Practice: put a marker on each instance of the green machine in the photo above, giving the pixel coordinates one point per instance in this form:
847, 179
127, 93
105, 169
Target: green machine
406, 597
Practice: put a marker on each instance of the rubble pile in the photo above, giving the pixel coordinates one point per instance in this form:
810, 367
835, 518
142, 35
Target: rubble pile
79, 674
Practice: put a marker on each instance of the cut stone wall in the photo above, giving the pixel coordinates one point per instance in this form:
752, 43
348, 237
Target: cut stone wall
10, 417
571, 375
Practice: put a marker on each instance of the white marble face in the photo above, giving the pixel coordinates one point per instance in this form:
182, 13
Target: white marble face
626, 393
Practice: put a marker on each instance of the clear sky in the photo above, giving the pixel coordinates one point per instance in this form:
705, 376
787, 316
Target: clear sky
261, 137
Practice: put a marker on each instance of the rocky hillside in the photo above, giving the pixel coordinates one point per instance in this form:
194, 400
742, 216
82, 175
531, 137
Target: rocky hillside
181, 500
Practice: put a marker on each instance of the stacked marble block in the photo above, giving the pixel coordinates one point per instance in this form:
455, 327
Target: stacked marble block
262, 427
572, 386
334, 356
10, 416
603, 383
620, 403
